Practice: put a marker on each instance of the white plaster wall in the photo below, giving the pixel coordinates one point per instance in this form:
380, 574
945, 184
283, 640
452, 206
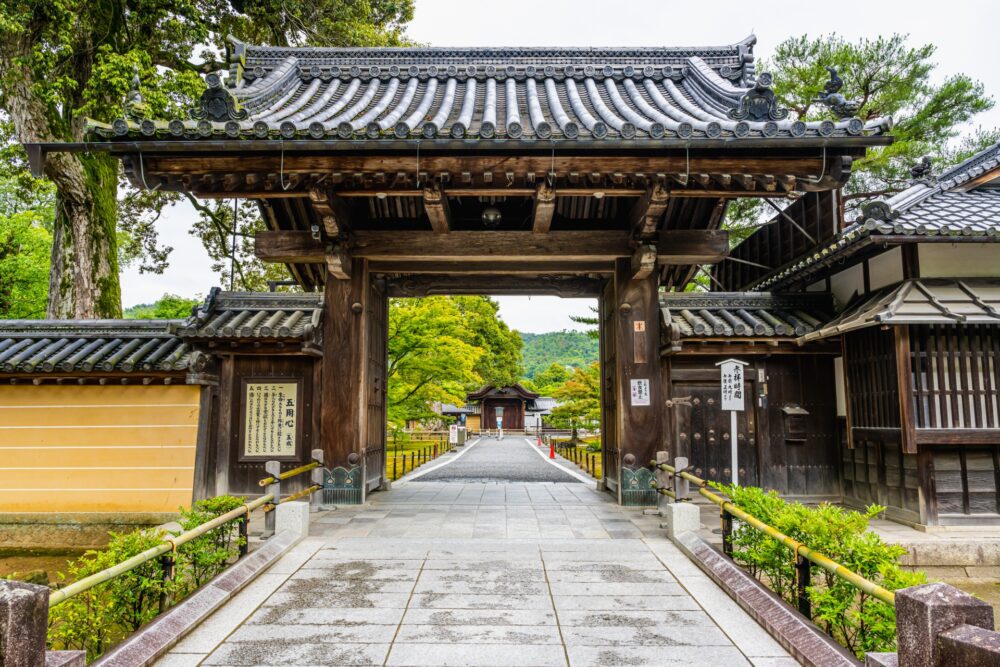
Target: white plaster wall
838, 378
846, 283
818, 286
885, 268
959, 260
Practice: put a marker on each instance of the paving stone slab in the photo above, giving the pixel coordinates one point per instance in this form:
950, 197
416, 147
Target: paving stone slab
273, 653
506, 585
623, 602
343, 616
335, 600
479, 634
447, 601
616, 588
368, 633
660, 634
497, 617
624, 656
611, 574
476, 655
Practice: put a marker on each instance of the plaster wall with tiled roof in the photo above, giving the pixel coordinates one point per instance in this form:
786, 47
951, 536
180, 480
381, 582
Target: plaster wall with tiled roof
930, 209
556, 94
92, 346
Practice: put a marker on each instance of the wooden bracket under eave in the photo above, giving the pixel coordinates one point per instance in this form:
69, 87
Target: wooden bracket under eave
544, 209
646, 212
338, 263
437, 209
643, 262
332, 210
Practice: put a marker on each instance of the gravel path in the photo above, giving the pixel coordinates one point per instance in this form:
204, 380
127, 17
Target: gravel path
492, 460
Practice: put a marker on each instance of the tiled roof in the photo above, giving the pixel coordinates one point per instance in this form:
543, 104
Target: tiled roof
920, 301
925, 209
250, 315
449, 94
743, 314
91, 346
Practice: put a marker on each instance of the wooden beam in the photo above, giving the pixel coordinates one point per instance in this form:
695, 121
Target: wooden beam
545, 208
332, 211
436, 206
497, 164
338, 264
426, 285
643, 262
646, 212
673, 246
493, 269
990, 175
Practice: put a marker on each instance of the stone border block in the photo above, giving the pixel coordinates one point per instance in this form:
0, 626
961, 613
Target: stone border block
797, 635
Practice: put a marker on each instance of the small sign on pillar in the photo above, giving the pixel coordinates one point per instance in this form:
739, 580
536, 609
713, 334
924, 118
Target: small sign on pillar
732, 385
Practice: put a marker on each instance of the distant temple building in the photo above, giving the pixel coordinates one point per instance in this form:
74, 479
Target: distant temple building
509, 405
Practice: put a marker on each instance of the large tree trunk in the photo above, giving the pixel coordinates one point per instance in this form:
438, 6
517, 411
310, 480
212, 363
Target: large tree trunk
83, 282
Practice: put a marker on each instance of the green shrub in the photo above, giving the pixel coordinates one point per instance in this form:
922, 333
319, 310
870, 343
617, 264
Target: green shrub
206, 556
99, 618
858, 621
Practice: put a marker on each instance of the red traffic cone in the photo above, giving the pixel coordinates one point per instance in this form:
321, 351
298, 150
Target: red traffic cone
552, 449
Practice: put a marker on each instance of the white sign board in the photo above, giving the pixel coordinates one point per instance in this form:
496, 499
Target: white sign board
453, 434
640, 392
270, 419
732, 383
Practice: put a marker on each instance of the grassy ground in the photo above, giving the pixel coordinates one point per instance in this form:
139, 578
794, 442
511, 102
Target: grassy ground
589, 462
406, 454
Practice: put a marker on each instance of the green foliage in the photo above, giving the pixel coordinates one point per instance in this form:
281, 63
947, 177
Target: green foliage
548, 381
566, 348
25, 245
97, 619
168, 307
859, 621
207, 555
64, 60
442, 347
889, 77
579, 399
501, 364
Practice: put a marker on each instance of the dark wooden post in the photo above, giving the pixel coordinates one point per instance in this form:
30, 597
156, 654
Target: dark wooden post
803, 579
636, 319
345, 365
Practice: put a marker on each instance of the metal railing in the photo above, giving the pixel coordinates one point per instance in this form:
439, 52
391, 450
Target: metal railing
165, 551
805, 557
272, 486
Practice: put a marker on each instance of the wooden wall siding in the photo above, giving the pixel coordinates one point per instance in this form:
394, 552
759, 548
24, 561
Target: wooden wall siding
378, 316
870, 367
780, 242
956, 376
807, 467
967, 481
881, 473
96, 448
244, 473
609, 388
513, 413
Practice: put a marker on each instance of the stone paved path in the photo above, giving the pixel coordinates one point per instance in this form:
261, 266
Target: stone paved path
512, 459
435, 574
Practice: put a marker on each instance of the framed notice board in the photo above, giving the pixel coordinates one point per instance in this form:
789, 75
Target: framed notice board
271, 416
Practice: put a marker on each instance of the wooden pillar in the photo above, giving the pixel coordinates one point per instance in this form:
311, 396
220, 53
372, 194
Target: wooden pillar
639, 428
343, 392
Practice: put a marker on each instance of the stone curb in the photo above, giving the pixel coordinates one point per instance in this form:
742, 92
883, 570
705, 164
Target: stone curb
154, 640
800, 637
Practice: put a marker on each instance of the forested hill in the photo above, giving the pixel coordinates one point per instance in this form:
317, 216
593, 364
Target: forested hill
567, 348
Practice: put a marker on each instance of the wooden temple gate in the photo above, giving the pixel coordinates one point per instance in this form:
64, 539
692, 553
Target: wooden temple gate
407, 172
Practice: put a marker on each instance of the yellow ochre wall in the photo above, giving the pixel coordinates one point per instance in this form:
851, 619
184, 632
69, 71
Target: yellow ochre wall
93, 448
472, 422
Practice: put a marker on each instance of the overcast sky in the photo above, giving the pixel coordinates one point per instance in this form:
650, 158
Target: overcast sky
964, 32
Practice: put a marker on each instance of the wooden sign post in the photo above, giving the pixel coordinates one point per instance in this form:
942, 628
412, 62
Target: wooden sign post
732, 385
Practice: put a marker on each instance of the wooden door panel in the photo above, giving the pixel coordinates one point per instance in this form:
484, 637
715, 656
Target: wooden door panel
702, 434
